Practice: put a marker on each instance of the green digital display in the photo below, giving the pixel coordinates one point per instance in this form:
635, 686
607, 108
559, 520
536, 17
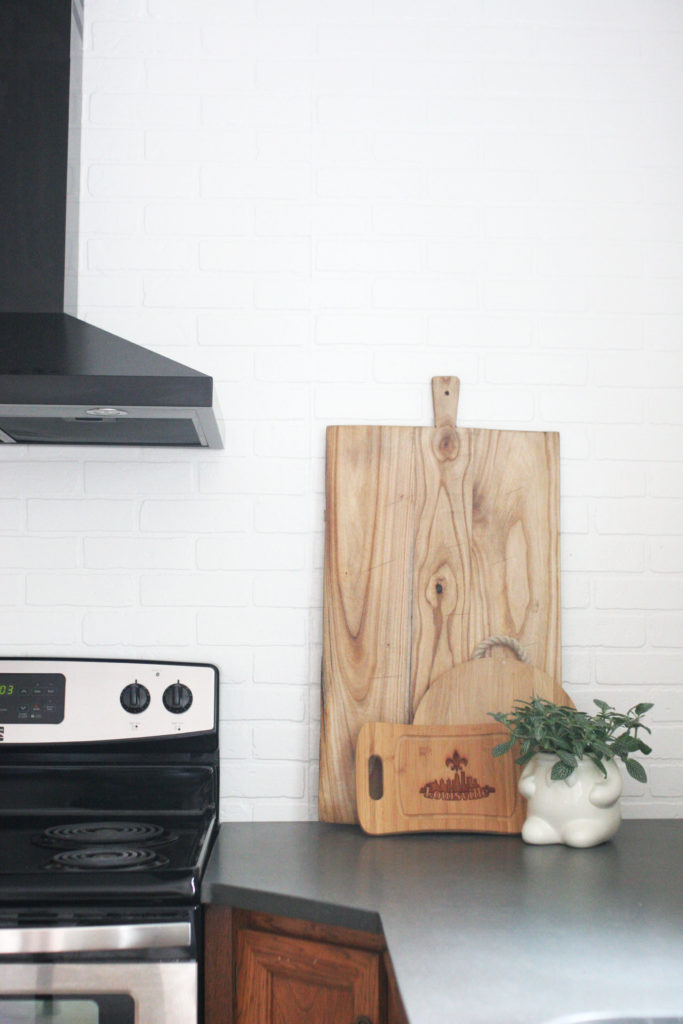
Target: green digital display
6, 691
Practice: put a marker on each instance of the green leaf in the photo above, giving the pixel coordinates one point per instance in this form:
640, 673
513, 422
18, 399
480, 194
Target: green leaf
643, 747
640, 709
601, 748
502, 748
566, 758
627, 743
636, 770
602, 704
560, 771
598, 764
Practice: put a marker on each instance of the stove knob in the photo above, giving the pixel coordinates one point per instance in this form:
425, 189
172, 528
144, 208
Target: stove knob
177, 698
134, 698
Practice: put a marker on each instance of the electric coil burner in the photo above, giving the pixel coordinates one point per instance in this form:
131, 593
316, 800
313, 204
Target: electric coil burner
108, 806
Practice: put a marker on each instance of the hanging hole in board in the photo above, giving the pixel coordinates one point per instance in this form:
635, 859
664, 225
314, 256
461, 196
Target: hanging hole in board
375, 777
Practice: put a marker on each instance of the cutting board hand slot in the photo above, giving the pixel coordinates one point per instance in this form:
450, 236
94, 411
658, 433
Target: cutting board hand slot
375, 777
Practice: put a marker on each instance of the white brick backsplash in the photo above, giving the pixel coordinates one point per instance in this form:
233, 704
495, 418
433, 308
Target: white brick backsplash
189, 219
196, 589
200, 76
639, 516
282, 741
603, 630
12, 515
279, 779
638, 369
322, 206
274, 218
157, 181
255, 255
289, 440
664, 780
445, 220
370, 256
139, 38
213, 291
477, 330
666, 554
34, 552
140, 254
139, 628
642, 443
260, 111
235, 740
229, 515
83, 589
341, 403
254, 180
641, 669
655, 594
602, 554
582, 331
427, 293
98, 218
245, 476
601, 479
284, 590
598, 405
262, 702
84, 515
665, 407
258, 552
30, 628
138, 553
281, 665
369, 329
12, 589
665, 630
251, 626
133, 478
107, 139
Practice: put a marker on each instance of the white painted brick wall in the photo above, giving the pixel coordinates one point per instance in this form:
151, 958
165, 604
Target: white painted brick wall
325, 204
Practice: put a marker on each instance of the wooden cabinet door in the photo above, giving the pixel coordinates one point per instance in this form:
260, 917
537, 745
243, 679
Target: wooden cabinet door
283, 980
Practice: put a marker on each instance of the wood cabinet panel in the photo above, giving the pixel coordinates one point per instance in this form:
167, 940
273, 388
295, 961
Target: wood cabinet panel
284, 980
265, 969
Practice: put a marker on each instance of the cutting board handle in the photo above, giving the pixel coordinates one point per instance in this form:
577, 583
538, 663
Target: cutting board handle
484, 646
445, 394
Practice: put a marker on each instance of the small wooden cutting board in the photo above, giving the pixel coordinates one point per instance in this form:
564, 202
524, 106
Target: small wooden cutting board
431, 778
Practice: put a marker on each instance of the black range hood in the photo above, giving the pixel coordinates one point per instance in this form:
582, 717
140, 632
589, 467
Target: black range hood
62, 380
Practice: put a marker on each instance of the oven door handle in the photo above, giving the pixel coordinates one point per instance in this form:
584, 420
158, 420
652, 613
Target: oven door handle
95, 938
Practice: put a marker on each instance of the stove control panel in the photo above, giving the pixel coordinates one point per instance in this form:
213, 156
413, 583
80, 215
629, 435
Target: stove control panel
83, 701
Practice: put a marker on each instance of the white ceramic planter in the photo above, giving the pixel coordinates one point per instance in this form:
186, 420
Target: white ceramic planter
582, 810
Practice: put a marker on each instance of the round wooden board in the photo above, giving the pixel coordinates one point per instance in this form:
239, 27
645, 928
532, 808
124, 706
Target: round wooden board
468, 692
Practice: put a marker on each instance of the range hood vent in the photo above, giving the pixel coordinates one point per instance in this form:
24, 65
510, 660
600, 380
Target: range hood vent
62, 380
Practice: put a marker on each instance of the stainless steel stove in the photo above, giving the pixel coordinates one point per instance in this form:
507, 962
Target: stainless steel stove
108, 807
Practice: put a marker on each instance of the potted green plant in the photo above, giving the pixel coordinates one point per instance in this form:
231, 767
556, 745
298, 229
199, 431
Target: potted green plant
569, 775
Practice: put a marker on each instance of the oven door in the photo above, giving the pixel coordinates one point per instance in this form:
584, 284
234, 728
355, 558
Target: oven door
91, 975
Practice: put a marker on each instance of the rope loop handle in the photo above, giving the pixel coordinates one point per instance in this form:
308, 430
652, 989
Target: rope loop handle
484, 646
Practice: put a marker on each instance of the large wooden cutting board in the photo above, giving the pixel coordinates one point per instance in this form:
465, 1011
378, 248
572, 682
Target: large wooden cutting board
436, 538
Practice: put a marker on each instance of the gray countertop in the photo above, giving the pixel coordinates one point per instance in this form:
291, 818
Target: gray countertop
482, 928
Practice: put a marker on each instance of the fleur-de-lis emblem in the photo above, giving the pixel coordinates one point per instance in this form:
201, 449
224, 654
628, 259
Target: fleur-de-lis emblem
456, 762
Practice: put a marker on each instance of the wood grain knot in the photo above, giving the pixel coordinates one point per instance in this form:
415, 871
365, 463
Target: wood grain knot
446, 445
